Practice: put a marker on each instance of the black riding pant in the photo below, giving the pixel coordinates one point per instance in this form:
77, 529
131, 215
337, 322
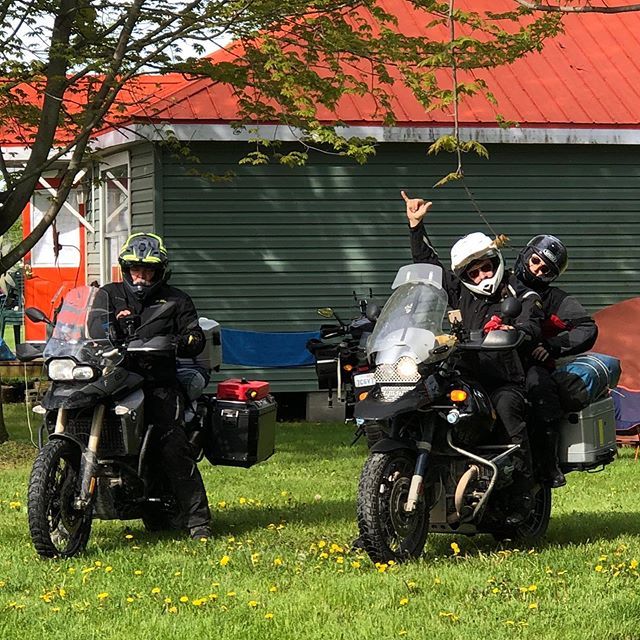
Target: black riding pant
509, 403
543, 393
169, 446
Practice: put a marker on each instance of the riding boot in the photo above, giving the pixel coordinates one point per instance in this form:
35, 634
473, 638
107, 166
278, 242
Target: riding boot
554, 476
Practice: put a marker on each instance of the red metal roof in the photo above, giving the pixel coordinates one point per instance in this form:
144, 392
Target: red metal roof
586, 77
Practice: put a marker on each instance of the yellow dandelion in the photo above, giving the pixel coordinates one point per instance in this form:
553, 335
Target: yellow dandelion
277, 562
138, 572
103, 595
173, 609
356, 564
339, 560
167, 600
633, 564
224, 561
155, 590
455, 548
213, 596
184, 599
533, 605
381, 567
129, 599
322, 544
108, 569
198, 602
98, 563
255, 558
268, 616
284, 494
128, 536
242, 501
402, 632
231, 594
599, 568
15, 504
222, 504
273, 588
177, 573
532, 587
404, 601
253, 603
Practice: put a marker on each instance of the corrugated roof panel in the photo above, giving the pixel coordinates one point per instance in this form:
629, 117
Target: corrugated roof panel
584, 77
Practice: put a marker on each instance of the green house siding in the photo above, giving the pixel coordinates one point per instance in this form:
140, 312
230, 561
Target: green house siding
262, 251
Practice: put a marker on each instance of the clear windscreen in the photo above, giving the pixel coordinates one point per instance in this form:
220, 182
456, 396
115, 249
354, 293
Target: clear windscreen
81, 330
411, 318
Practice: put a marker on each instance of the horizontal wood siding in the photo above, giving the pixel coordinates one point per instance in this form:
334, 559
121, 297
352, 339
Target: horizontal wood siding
264, 250
142, 191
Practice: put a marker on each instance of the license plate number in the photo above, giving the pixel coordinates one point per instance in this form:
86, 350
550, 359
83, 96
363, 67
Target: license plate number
364, 380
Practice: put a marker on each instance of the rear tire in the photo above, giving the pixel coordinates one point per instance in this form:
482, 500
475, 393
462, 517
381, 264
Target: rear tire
57, 528
386, 530
536, 525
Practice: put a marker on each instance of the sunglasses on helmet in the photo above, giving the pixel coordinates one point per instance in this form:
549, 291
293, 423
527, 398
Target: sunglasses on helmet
541, 265
484, 267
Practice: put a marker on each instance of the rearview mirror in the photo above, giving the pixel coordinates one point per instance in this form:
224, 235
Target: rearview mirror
35, 315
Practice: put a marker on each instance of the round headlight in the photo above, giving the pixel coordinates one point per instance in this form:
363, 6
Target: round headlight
61, 369
83, 372
407, 367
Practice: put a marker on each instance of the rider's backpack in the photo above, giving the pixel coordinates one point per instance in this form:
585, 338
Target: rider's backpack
585, 379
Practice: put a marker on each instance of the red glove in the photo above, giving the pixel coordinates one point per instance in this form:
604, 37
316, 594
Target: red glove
494, 323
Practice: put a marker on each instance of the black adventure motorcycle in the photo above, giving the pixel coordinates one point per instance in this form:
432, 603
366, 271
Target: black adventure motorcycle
437, 469
94, 460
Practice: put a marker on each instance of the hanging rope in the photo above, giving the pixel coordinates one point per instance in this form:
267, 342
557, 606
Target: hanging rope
500, 240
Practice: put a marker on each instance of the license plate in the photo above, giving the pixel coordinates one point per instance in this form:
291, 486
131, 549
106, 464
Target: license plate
364, 380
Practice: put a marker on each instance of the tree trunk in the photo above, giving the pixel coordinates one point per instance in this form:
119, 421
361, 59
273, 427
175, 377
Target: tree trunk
4, 434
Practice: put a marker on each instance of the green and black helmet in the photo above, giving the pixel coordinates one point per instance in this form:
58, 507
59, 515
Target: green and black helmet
144, 250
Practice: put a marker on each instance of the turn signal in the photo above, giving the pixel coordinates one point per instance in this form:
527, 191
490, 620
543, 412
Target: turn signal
458, 395
348, 367
363, 395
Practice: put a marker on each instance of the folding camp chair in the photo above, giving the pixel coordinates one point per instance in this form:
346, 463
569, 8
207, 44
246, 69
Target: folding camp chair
12, 307
629, 438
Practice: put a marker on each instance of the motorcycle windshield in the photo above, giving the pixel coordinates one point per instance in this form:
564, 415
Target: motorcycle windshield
412, 317
81, 331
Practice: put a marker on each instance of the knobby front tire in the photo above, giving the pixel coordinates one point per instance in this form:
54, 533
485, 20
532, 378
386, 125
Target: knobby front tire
57, 529
386, 530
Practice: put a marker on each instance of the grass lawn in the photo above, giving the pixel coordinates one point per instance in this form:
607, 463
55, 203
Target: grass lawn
279, 566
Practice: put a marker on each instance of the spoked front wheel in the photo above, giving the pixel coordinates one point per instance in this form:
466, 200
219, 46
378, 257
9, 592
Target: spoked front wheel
57, 528
388, 532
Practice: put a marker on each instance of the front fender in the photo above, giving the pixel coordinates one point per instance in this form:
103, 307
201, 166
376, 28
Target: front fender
387, 445
70, 438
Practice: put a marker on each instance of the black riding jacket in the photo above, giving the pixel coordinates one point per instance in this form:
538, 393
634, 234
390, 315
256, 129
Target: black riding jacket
568, 329
498, 367
182, 322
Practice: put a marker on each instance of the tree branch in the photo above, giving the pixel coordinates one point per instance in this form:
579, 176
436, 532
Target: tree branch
536, 6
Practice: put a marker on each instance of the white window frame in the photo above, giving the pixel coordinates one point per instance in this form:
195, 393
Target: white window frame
110, 162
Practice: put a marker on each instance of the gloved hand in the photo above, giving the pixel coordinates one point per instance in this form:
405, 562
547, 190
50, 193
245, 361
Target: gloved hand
494, 323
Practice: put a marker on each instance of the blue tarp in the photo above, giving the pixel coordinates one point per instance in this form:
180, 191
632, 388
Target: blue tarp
267, 349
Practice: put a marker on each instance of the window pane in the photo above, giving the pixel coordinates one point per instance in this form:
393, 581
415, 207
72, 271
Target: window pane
115, 184
67, 228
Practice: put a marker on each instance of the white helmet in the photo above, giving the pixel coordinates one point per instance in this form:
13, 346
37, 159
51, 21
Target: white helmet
471, 248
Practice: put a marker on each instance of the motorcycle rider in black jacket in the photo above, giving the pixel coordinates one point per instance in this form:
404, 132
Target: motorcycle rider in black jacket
567, 330
477, 286
145, 270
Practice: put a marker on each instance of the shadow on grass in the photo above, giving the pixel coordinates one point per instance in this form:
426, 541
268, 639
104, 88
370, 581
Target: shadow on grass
235, 522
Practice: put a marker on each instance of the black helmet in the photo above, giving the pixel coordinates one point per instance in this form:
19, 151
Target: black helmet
144, 250
552, 252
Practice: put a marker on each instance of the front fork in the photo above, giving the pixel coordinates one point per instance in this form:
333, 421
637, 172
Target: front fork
417, 481
89, 461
